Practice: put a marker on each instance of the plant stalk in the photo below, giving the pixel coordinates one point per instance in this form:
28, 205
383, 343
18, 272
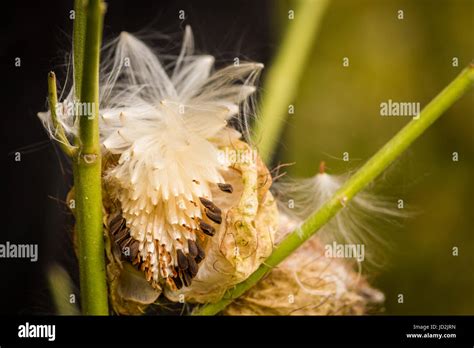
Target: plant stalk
87, 164
63, 141
376, 165
79, 36
281, 83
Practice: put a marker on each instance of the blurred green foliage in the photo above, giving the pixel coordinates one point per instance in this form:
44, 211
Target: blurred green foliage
338, 110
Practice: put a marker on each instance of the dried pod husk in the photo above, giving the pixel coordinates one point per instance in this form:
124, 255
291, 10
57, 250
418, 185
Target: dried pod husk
308, 283
130, 293
245, 236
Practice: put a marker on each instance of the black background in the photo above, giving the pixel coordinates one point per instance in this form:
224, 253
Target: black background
34, 189
290, 331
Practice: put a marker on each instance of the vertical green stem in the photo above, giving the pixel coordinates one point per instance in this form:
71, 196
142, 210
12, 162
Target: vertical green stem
379, 162
87, 164
281, 83
79, 36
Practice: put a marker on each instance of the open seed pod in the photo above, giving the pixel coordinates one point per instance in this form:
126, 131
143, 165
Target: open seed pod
308, 283
234, 237
245, 237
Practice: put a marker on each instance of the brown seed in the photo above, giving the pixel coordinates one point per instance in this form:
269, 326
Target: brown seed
201, 254
116, 223
193, 267
113, 218
206, 228
190, 275
193, 250
214, 216
124, 242
226, 188
186, 278
134, 249
120, 235
177, 282
209, 205
182, 260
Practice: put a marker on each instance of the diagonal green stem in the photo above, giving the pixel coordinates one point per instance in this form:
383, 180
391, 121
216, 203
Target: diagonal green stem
376, 165
87, 164
281, 83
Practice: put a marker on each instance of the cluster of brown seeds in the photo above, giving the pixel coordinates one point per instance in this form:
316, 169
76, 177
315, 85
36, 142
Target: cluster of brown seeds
121, 234
187, 264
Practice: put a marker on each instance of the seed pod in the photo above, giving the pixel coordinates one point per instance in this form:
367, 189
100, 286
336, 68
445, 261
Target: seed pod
308, 283
244, 238
155, 180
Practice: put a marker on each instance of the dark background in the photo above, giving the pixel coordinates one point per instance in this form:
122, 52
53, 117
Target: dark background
337, 111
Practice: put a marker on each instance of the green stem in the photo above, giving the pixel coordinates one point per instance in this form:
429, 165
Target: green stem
79, 35
63, 141
87, 166
379, 162
281, 83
